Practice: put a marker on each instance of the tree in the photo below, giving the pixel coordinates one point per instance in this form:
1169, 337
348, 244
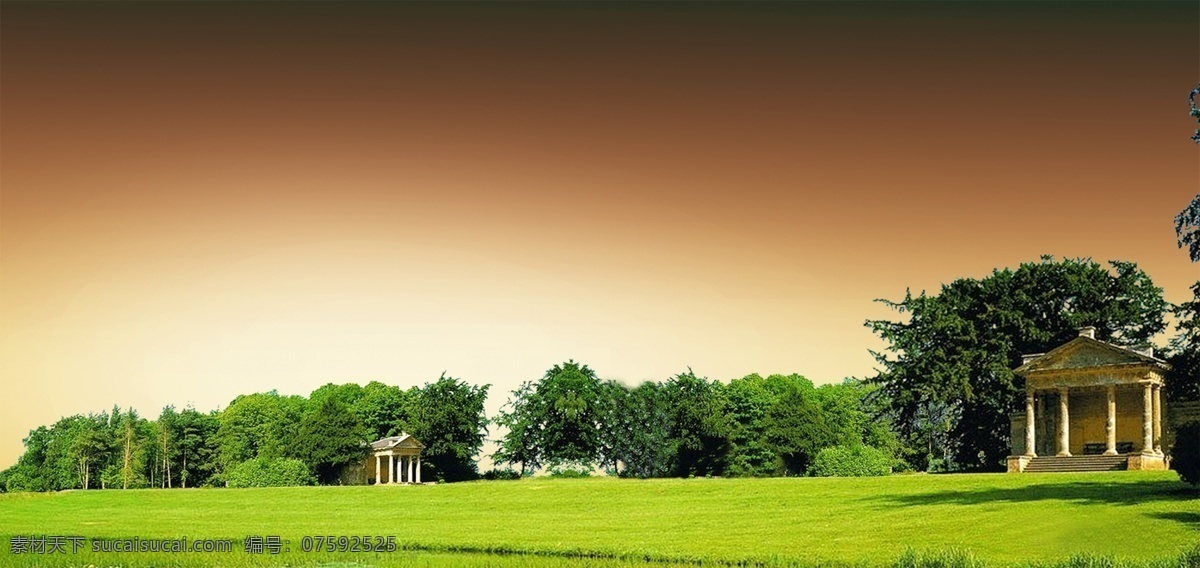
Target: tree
382, 409
258, 425
796, 428
447, 416
330, 437
521, 418
949, 379
699, 425
1183, 380
1185, 454
639, 430
195, 435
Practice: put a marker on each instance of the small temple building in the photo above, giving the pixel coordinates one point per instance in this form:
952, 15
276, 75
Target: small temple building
1090, 406
395, 460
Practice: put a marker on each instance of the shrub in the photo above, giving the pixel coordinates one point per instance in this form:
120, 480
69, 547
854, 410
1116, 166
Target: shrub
495, 474
263, 472
1185, 455
850, 461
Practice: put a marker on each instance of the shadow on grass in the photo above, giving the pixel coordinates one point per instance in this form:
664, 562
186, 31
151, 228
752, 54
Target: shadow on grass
1191, 519
1085, 492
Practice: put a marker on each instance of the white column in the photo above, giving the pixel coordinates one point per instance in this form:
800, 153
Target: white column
377, 460
392, 467
412, 469
1147, 419
1158, 419
418, 469
1110, 427
1064, 423
1030, 438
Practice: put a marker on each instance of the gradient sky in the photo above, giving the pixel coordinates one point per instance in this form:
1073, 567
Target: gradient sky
201, 200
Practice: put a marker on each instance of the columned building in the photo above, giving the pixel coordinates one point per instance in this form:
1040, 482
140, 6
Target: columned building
1090, 405
395, 460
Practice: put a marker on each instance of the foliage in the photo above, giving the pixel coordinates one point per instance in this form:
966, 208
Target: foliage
796, 428
501, 474
1187, 229
850, 461
447, 416
258, 425
265, 472
1185, 455
699, 425
382, 409
1183, 380
639, 430
559, 418
949, 381
330, 437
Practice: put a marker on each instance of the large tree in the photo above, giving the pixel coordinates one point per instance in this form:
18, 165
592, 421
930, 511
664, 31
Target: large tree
948, 377
447, 416
555, 421
699, 425
329, 438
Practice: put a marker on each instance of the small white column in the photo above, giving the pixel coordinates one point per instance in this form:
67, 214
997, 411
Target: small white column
1110, 427
377, 463
1030, 438
392, 467
418, 469
1064, 423
1158, 419
412, 469
1147, 419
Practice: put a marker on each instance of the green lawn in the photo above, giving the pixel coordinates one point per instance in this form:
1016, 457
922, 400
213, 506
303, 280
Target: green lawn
1004, 519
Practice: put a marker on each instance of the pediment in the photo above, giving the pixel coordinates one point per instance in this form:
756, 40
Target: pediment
1083, 353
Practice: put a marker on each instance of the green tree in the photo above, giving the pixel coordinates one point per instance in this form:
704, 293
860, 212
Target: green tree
195, 435
639, 429
258, 425
382, 409
448, 417
520, 417
1183, 380
700, 426
796, 429
1185, 453
949, 379
330, 437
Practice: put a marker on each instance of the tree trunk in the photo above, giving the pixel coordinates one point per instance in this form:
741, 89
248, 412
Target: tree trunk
125, 468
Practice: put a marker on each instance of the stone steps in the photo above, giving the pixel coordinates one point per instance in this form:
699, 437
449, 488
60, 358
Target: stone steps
1048, 464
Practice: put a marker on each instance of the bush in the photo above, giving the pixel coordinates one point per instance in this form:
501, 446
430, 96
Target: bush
1185, 455
495, 474
263, 472
850, 461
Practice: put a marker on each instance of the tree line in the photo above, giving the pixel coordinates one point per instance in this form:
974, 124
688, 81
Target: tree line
259, 439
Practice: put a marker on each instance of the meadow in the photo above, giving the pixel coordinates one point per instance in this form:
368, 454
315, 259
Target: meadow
1140, 518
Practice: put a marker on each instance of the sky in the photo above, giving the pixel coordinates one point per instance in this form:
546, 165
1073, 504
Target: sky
201, 200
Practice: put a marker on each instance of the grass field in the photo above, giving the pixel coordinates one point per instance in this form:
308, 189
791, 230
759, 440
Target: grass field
1005, 520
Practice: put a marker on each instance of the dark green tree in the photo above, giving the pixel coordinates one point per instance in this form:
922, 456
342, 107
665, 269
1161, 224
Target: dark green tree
1185, 454
330, 437
949, 379
196, 451
639, 427
796, 429
699, 425
448, 417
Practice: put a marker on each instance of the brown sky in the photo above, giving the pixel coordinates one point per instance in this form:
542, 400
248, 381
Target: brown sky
206, 199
